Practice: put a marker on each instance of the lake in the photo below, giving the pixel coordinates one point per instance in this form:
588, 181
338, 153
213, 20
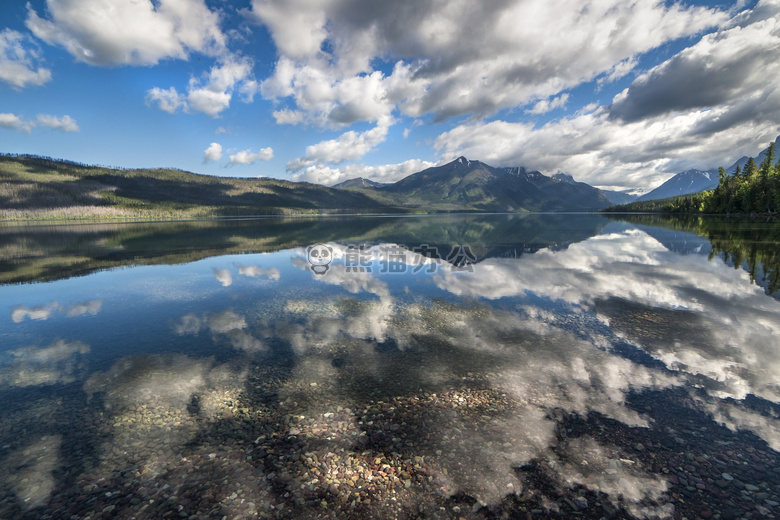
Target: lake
460, 366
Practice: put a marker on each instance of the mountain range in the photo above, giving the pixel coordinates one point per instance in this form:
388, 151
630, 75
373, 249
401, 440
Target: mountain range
40, 187
469, 185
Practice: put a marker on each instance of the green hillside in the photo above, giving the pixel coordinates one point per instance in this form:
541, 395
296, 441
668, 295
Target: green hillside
754, 190
34, 187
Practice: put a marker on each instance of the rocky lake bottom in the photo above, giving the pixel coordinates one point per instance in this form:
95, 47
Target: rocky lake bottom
624, 374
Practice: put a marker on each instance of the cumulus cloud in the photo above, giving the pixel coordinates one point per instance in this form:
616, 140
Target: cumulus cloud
719, 70
14, 122
116, 32
328, 176
210, 94
168, 100
349, 146
20, 61
546, 105
249, 157
213, 95
326, 51
63, 124
212, 153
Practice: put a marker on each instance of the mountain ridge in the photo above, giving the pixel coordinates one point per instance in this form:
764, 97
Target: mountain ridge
474, 185
694, 180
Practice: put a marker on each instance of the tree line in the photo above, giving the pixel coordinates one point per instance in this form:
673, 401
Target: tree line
754, 189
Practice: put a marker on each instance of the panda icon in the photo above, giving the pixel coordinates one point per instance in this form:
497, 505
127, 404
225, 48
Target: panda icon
320, 256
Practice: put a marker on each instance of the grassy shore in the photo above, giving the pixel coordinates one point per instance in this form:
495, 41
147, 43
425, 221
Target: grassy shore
37, 188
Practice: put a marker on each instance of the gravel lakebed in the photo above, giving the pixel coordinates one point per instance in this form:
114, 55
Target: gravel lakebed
273, 446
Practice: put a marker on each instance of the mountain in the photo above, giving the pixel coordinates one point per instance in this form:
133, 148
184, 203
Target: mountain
689, 181
694, 180
472, 185
358, 182
620, 197
33, 187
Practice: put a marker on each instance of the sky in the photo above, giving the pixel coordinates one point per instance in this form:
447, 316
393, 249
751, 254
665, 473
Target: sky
620, 94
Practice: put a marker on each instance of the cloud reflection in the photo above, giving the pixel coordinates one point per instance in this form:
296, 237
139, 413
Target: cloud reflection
730, 322
150, 399
29, 471
704, 320
60, 362
44, 312
225, 324
254, 271
223, 276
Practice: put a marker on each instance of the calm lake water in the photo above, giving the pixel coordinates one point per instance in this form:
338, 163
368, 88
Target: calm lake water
391, 367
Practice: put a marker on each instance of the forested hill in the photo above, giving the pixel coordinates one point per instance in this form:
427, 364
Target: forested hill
41, 187
754, 189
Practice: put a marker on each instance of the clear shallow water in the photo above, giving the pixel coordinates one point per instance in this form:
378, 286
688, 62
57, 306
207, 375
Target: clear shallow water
556, 364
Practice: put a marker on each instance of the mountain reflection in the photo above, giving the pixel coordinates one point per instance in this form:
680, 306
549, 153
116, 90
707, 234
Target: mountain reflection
583, 369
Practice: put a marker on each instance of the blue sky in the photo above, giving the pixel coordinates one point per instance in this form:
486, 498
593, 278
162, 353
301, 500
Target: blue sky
618, 93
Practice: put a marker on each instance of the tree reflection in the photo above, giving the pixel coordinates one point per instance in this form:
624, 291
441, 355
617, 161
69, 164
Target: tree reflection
751, 244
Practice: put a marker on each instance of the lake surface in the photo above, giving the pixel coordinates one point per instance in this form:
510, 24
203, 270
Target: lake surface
391, 367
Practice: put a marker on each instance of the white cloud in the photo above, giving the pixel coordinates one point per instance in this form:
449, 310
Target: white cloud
384, 173
326, 50
210, 94
249, 157
212, 153
213, 96
349, 146
64, 123
19, 60
546, 105
117, 32
14, 122
168, 100
620, 70
718, 71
